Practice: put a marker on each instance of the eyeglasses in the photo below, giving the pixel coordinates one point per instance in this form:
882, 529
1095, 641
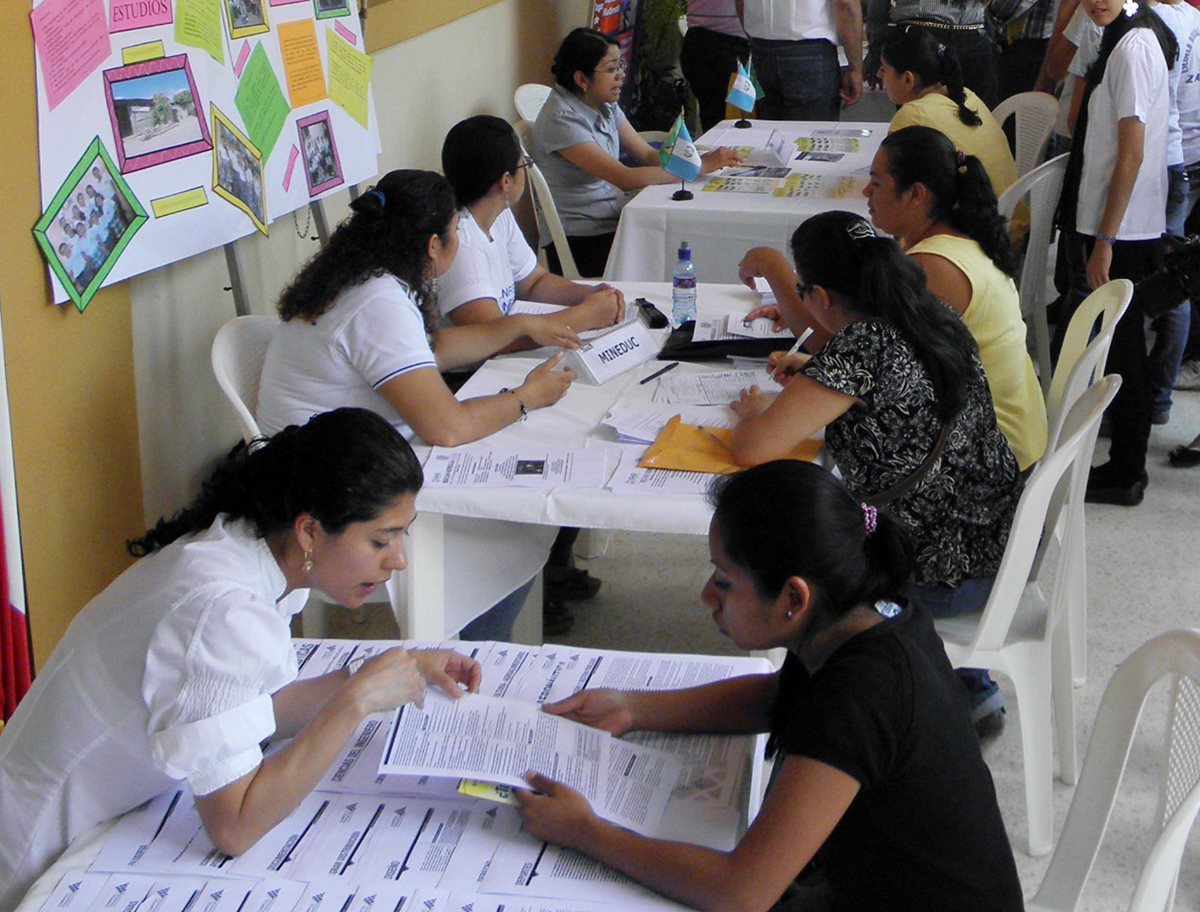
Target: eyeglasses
525, 162
619, 67
804, 290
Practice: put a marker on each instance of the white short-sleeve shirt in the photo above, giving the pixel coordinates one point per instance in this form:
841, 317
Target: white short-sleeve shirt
1085, 36
790, 20
486, 267
373, 333
1134, 85
167, 675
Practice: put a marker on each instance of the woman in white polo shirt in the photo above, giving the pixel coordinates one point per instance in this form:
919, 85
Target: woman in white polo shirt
578, 140
1114, 198
358, 329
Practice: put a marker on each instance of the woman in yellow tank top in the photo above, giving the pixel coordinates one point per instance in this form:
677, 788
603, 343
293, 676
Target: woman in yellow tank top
938, 203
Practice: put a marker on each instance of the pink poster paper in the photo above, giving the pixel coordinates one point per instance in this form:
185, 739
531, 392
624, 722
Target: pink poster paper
243, 56
124, 15
346, 33
72, 40
291, 166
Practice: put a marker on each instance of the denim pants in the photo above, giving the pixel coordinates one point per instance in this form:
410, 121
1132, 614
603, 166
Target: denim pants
497, 622
943, 602
708, 59
1171, 329
801, 79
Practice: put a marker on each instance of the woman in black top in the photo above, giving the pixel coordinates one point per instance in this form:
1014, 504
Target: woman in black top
879, 775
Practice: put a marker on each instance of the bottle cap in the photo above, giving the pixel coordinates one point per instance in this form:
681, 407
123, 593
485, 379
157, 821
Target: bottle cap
685, 252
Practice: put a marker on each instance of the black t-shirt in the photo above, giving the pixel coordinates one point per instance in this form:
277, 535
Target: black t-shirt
924, 831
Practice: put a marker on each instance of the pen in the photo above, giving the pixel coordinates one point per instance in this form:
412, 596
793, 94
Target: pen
791, 351
658, 373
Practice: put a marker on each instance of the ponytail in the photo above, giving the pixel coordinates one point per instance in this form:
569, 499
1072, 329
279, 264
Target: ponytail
341, 467
916, 50
840, 252
789, 518
959, 186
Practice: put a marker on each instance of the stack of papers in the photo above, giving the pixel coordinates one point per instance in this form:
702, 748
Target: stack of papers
642, 423
711, 387
533, 467
537, 309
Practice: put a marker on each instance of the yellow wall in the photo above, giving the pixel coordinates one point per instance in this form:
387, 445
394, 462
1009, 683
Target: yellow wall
70, 387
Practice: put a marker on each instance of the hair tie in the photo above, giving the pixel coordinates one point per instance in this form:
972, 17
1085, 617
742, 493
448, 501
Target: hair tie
378, 194
859, 229
960, 159
1130, 7
870, 518
941, 51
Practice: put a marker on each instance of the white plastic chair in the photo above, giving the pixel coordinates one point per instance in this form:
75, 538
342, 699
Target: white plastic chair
1176, 653
1035, 113
529, 98
1042, 185
1019, 632
238, 351
1080, 363
547, 213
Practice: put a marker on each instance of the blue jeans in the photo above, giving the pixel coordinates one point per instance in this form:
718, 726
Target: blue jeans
1171, 329
801, 79
497, 622
943, 602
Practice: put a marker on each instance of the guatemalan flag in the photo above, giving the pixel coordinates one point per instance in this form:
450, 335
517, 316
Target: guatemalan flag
678, 155
742, 94
14, 632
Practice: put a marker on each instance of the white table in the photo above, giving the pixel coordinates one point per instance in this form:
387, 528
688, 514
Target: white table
721, 227
575, 422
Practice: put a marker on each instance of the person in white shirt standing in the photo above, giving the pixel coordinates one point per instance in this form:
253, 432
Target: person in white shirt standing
794, 47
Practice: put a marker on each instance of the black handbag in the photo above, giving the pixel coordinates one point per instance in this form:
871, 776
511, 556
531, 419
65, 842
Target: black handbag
1175, 281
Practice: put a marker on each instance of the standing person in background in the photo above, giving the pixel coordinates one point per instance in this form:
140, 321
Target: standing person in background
794, 45
958, 24
1115, 199
1027, 28
578, 140
714, 44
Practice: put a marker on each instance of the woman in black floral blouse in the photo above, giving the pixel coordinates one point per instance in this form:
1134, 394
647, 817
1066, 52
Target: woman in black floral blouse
896, 367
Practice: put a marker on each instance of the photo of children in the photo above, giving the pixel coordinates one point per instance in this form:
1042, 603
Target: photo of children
246, 13
89, 225
326, 9
322, 167
238, 173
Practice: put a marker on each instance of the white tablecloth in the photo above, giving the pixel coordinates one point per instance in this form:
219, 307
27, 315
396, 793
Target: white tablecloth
721, 227
574, 422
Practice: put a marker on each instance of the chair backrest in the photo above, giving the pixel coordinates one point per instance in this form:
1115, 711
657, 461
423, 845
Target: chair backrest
1083, 356
543, 206
529, 98
238, 352
1174, 653
1046, 494
1042, 186
1035, 113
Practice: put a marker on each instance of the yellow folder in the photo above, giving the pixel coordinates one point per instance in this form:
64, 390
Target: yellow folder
692, 448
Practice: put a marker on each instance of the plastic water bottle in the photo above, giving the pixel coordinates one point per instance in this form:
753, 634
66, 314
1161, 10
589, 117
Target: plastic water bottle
683, 287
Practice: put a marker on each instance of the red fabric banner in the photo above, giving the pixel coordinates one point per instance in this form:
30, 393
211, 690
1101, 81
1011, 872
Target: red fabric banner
15, 676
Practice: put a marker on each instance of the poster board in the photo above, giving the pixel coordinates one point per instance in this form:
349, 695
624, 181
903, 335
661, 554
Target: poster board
392, 21
170, 127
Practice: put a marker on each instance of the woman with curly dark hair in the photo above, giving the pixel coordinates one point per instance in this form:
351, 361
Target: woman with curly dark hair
358, 329
182, 667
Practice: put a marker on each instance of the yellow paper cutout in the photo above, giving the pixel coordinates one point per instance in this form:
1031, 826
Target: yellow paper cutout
179, 202
349, 76
138, 53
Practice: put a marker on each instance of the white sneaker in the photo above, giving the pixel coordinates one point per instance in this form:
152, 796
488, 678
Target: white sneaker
1189, 376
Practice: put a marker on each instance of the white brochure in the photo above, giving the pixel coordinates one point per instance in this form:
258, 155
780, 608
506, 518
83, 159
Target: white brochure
710, 387
529, 467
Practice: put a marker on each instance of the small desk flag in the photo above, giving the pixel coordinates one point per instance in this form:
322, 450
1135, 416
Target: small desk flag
678, 155
741, 94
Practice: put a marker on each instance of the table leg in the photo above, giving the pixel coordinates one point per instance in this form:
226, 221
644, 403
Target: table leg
424, 580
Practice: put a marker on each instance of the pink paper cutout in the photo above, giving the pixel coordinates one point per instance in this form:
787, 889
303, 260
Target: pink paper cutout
243, 56
346, 33
135, 14
72, 40
291, 165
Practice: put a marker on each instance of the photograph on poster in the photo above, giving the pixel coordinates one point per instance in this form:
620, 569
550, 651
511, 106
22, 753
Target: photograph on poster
88, 224
322, 167
154, 110
328, 9
238, 169
246, 17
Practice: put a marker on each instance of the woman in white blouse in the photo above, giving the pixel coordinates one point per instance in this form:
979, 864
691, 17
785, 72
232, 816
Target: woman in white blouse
184, 665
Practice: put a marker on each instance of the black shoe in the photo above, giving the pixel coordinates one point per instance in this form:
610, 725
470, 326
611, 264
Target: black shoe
570, 584
557, 618
991, 725
1183, 457
1104, 488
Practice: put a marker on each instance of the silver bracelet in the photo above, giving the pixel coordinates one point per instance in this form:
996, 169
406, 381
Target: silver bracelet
520, 401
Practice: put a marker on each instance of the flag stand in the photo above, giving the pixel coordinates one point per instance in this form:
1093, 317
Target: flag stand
683, 193
743, 124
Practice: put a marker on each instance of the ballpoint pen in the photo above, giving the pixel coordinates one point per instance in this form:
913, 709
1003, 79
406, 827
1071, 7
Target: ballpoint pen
658, 373
791, 351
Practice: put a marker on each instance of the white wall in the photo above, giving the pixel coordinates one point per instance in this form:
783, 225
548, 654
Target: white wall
422, 87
